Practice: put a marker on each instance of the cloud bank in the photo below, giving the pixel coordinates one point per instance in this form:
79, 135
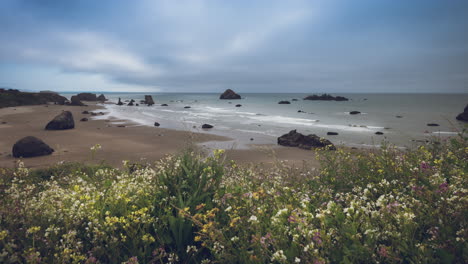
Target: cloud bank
208, 46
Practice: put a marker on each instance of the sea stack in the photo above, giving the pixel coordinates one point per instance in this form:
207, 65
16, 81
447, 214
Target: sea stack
149, 100
229, 95
101, 98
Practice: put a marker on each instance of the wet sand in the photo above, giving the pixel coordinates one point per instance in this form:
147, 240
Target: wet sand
119, 139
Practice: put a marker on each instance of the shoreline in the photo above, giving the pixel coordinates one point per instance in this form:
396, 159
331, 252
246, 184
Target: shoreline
120, 140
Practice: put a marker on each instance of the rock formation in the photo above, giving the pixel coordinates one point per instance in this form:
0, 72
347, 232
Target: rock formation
149, 100
62, 121
120, 102
30, 147
325, 97
12, 97
295, 139
101, 98
87, 97
207, 126
230, 95
75, 101
463, 116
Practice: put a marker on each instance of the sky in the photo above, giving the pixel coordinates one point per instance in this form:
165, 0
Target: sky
335, 46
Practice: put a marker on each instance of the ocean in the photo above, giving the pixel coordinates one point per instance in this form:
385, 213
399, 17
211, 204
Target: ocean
260, 119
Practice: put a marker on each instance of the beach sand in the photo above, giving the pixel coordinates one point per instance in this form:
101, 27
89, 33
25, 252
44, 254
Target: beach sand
132, 142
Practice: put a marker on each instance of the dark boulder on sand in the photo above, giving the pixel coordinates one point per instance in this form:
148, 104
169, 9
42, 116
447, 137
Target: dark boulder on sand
295, 139
463, 116
31, 147
164, 105
85, 113
84, 119
230, 95
284, 102
354, 113
325, 97
62, 121
207, 126
149, 100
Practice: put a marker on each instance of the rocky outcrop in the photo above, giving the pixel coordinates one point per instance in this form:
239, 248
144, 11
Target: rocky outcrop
87, 97
295, 139
463, 116
12, 97
62, 121
131, 102
230, 95
284, 102
75, 101
149, 100
207, 126
120, 102
325, 97
101, 98
30, 147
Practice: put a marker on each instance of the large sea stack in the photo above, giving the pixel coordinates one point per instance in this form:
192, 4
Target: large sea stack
101, 98
325, 97
12, 97
463, 116
295, 139
30, 147
229, 95
62, 121
149, 100
87, 97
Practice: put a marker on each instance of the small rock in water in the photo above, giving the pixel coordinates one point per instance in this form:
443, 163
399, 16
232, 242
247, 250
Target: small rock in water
120, 126
164, 105
284, 102
294, 100
332, 133
354, 112
238, 105
156, 124
251, 139
433, 124
187, 107
379, 133
399, 116
85, 113
207, 126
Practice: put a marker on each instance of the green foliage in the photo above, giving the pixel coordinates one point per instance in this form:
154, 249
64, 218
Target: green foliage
385, 206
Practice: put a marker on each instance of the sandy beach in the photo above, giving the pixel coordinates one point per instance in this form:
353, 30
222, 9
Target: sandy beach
119, 139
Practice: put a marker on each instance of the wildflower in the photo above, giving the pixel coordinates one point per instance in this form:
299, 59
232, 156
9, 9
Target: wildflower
33, 229
279, 256
3, 234
253, 219
297, 260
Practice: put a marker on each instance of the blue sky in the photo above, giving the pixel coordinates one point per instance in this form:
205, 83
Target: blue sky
333, 46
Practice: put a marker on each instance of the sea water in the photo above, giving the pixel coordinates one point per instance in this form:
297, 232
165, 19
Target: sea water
260, 119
